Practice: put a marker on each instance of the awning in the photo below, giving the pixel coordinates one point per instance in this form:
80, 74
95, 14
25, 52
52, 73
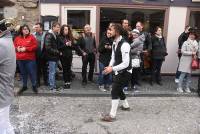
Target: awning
4, 3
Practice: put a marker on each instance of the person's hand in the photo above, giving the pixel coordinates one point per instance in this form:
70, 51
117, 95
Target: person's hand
68, 43
84, 53
109, 47
18, 49
107, 70
94, 50
22, 49
60, 53
106, 46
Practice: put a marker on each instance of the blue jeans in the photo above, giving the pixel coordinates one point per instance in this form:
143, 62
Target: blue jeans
52, 74
27, 68
104, 79
185, 78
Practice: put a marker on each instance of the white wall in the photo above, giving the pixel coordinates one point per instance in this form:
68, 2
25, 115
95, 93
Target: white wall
177, 19
50, 9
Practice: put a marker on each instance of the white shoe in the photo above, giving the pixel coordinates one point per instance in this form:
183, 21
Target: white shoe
180, 90
101, 88
176, 80
187, 90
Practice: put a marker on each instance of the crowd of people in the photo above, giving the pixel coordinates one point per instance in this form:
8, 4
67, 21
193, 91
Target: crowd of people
38, 54
125, 54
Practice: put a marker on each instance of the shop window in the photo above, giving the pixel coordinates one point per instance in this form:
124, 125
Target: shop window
150, 17
78, 18
194, 20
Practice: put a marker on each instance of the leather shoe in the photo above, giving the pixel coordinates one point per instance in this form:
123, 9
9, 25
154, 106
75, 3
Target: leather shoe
107, 118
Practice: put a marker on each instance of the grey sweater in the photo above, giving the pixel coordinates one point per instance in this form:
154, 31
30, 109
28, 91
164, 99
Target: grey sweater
7, 69
137, 46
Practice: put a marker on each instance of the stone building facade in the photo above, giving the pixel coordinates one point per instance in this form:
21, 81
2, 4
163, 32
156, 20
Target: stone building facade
26, 11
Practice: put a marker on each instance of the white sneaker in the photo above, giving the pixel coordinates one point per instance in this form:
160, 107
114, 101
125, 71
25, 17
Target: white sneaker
180, 90
125, 90
101, 88
176, 80
187, 90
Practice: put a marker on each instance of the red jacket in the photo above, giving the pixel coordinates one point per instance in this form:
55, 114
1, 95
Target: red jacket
30, 43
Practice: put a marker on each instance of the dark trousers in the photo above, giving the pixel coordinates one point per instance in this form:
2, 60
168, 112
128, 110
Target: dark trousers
156, 68
90, 58
27, 68
198, 88
135, 76
42, 68
178, 73
119, 82
66, 65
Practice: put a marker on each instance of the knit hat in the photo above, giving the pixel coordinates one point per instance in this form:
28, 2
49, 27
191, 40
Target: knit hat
135, 31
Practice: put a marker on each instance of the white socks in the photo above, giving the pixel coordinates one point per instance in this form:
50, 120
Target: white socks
125, 103
114, 107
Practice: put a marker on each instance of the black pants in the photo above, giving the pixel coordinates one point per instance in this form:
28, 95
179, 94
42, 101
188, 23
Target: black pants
119, 82
156, 68
90, 58
198, 88
66, 66
135, 76
42, 68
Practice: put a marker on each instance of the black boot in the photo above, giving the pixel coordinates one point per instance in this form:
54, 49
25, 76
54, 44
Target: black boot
35, 90
22, 90
159, 83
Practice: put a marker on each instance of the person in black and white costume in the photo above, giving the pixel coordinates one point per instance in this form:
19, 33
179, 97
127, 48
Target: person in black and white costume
120, 65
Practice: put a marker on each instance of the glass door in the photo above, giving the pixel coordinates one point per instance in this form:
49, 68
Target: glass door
77, 17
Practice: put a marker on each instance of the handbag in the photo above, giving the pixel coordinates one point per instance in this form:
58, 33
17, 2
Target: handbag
195, 64
135, 62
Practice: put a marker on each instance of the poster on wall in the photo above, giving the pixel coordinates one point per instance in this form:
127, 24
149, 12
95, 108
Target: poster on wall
46, 25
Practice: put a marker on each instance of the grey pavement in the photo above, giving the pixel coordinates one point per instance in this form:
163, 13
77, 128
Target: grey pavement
81, 115
154, 110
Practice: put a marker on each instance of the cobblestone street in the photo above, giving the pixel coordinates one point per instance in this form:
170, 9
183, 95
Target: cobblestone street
78, 115
154, 110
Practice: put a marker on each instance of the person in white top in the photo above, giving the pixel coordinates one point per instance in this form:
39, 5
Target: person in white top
120, 65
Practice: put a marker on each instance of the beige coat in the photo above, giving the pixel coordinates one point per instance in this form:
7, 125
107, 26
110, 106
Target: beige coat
187, 49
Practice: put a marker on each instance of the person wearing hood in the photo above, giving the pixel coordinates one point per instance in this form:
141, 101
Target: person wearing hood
159, 51
188, 51
51, 53
7, 72
136, 50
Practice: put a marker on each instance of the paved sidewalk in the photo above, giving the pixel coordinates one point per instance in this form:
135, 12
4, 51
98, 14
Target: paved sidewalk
91, 90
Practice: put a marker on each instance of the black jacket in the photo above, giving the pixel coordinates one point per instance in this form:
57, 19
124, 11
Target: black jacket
181, 39
105, 54
159, 50
82, 44
147, 42
51, 47
67, 50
